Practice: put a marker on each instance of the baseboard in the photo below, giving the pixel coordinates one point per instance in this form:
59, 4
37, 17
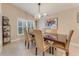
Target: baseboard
15, 40
11, 42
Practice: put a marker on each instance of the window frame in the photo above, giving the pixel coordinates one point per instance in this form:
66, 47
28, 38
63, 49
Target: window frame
23, 20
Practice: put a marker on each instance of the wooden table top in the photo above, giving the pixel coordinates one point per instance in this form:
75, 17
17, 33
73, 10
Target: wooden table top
54, 37
57, 37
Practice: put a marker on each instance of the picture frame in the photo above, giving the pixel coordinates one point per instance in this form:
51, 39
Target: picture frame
52, 23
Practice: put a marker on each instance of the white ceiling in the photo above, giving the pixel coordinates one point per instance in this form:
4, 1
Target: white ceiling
49, 8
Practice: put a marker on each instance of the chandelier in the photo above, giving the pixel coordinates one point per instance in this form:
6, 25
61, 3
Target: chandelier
39, 15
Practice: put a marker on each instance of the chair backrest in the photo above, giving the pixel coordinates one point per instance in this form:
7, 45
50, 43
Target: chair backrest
51, 31
26, 35
69, 39
39, 39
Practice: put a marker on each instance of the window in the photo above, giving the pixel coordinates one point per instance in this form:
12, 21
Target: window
31, 24
21, 24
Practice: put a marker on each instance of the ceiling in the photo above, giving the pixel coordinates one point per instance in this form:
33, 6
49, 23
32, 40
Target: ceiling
49, 8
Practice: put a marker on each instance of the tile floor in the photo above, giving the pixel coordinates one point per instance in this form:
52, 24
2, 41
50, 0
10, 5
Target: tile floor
18, 49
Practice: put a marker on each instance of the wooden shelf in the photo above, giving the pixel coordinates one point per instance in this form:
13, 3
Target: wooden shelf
6, 25
6, 35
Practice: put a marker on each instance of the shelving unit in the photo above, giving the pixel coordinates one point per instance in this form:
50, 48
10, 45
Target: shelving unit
6, 33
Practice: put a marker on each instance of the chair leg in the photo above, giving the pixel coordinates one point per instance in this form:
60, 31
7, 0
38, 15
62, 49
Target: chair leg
25, 43
32, 42
36, 51
28, 45
52, 50
43, 53
55, 49
67, 53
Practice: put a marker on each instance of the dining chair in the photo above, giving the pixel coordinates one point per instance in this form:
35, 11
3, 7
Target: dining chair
40, 43
64, 46
27, 38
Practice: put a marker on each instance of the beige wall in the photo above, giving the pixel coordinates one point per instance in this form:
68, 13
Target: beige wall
67, 21
0, 27
13, 13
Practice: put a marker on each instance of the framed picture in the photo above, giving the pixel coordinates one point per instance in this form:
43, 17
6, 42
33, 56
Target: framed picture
52, 23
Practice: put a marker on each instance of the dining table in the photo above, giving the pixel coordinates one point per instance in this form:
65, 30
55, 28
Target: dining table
62, 38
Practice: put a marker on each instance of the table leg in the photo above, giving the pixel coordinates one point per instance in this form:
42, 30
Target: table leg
49, 49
